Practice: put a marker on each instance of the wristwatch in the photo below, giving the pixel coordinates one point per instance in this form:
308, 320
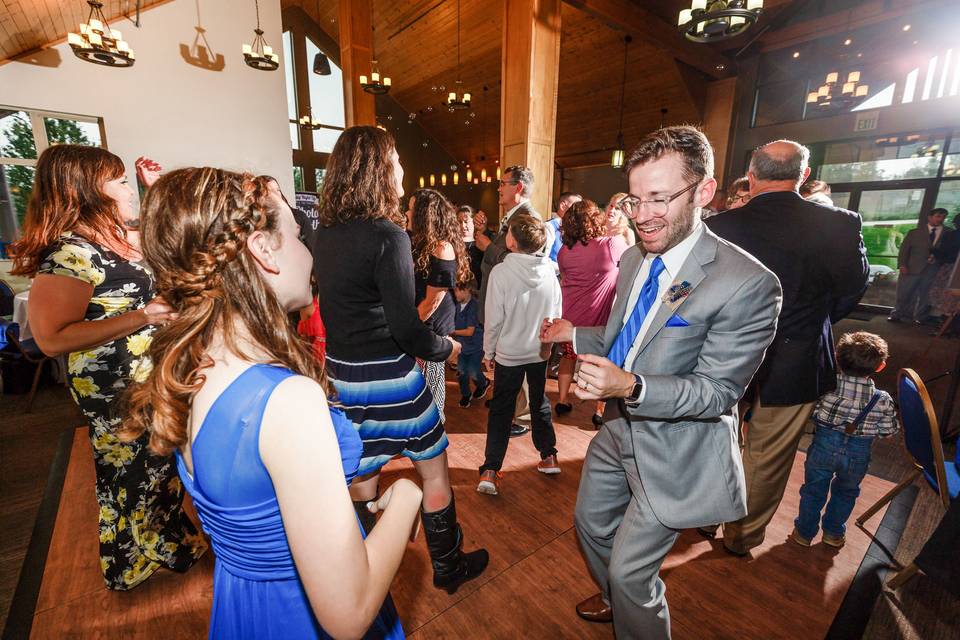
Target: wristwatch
633, 398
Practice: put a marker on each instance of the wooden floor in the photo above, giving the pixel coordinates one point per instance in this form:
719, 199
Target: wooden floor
536, 574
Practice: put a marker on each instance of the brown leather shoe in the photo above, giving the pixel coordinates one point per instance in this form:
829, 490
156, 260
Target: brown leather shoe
595, 609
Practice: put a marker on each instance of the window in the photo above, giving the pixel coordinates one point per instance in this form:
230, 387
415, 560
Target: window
288, 67
883, 159
326, 102
298, 178
949, 198
24, 135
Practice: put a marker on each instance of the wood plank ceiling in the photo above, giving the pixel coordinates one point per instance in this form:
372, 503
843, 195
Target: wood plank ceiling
26, 25
415, 44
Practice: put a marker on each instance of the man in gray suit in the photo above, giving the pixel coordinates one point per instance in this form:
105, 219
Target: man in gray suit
689, 326
918, 262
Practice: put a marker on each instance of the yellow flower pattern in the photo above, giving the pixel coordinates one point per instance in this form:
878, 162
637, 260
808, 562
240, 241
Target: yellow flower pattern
142, 524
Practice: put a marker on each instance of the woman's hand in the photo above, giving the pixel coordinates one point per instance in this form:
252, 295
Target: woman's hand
159, 312
148, 171
455, 352
405, 491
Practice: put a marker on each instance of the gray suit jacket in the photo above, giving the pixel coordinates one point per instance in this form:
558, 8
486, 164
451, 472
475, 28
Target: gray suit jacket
915, 250
494, 255
685, 430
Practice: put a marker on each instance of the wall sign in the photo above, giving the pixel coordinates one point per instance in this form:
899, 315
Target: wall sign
866, 121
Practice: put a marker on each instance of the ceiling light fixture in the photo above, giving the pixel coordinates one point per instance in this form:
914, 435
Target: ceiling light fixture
850, 90
260, 55
375, 85
458, 99
98, 43
616, 160
715, 20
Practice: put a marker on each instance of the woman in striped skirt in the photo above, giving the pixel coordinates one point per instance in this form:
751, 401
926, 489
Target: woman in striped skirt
440, 262
365, 275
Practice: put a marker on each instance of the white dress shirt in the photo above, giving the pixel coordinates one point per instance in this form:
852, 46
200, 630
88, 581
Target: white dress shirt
672, 260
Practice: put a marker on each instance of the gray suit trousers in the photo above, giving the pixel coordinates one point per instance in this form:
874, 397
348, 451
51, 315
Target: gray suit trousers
623, 542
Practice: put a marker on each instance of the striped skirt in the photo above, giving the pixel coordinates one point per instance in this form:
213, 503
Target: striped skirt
391, 407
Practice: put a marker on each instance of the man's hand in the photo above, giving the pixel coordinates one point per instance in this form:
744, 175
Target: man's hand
487, 365
455, 351
556, 330
903, 271
599, 379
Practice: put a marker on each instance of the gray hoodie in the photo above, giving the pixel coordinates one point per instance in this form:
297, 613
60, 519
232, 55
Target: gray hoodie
522, 291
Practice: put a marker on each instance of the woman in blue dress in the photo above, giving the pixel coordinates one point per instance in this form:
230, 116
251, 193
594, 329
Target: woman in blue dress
243, 404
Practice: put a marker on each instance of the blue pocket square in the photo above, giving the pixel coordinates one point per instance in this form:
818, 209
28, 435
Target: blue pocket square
677, 321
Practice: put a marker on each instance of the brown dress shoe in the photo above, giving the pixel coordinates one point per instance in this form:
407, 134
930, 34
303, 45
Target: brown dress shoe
595, 609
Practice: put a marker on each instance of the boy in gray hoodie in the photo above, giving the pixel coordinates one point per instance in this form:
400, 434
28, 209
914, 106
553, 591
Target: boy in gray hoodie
521, 289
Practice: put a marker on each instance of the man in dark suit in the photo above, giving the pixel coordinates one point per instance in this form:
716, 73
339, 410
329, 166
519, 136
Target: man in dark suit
922, 252
514, 189
817, 253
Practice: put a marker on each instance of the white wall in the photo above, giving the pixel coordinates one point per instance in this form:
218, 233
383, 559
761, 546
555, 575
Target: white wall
163, 107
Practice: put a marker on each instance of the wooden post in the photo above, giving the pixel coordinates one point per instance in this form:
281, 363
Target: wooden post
528, 103
718, 119
356, 40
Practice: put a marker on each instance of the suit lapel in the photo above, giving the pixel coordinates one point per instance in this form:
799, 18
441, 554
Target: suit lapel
691, 271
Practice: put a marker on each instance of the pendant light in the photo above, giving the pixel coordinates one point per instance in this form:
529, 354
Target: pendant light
98, 43
616, 160
260, 55
375, 84
458, 99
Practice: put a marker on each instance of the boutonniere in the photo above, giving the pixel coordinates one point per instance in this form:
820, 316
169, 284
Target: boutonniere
676, 293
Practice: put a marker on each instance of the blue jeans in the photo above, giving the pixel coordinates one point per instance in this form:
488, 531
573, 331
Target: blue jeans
836, 463
468, 368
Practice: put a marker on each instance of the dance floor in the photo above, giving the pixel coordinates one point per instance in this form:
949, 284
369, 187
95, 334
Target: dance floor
536, 574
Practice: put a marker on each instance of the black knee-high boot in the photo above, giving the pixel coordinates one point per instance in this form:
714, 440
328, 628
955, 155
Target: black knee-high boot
367, 519
451, 566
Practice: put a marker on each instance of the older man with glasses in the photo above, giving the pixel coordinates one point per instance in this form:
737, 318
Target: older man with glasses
691, 320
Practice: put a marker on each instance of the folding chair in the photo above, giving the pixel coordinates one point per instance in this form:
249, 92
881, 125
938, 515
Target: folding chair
921, 437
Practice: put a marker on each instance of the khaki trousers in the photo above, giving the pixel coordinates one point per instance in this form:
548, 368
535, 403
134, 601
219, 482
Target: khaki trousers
769, 444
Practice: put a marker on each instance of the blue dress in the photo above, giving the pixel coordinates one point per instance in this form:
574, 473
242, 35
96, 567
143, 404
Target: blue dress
257, 592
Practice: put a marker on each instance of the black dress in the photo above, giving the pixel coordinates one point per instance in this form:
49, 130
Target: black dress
142, 524
442, 275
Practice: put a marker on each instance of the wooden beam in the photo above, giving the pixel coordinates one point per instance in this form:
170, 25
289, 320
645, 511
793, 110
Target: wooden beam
694, 83
864, 15
647, 26
356, 43
528, 100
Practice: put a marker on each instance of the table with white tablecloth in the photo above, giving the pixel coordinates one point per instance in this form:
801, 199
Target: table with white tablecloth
20, 314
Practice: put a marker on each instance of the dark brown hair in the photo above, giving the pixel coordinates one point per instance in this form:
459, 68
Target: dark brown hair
359, 183
68, 196
528, 231
196, 223
686, 141
520, 175
583, 222
811, 187
434, 222
860, 353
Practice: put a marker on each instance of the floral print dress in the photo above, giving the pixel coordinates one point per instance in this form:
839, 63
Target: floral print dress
142, 524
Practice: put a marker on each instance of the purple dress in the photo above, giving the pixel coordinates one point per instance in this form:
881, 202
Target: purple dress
588, 279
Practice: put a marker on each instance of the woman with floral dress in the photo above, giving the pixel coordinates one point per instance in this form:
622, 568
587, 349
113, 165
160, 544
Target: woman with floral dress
93, 300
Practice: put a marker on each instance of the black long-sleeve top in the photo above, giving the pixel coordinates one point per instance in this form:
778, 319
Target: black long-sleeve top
365, 281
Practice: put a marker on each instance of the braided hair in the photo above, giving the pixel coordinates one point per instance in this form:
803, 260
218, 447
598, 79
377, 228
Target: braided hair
196, 223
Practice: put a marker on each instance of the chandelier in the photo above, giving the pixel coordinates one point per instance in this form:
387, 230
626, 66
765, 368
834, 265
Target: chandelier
376, 84
715, 20
458, 99
827, 95
260, 55
99, 44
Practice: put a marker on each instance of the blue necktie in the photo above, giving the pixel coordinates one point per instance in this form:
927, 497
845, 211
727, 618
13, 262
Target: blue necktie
648, 294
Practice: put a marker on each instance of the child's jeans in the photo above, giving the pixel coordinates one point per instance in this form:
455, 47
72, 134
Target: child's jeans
836, 462
469, 368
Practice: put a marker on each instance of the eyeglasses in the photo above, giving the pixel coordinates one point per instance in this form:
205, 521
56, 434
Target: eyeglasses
655, 206
500, 183
743, 197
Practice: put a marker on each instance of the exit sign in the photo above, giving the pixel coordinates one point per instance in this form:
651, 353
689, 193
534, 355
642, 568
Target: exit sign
866, 121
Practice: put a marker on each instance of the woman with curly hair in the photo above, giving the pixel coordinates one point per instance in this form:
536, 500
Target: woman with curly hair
589, 264
440, 262
363, 264
243, 403
617, 221
93, 300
